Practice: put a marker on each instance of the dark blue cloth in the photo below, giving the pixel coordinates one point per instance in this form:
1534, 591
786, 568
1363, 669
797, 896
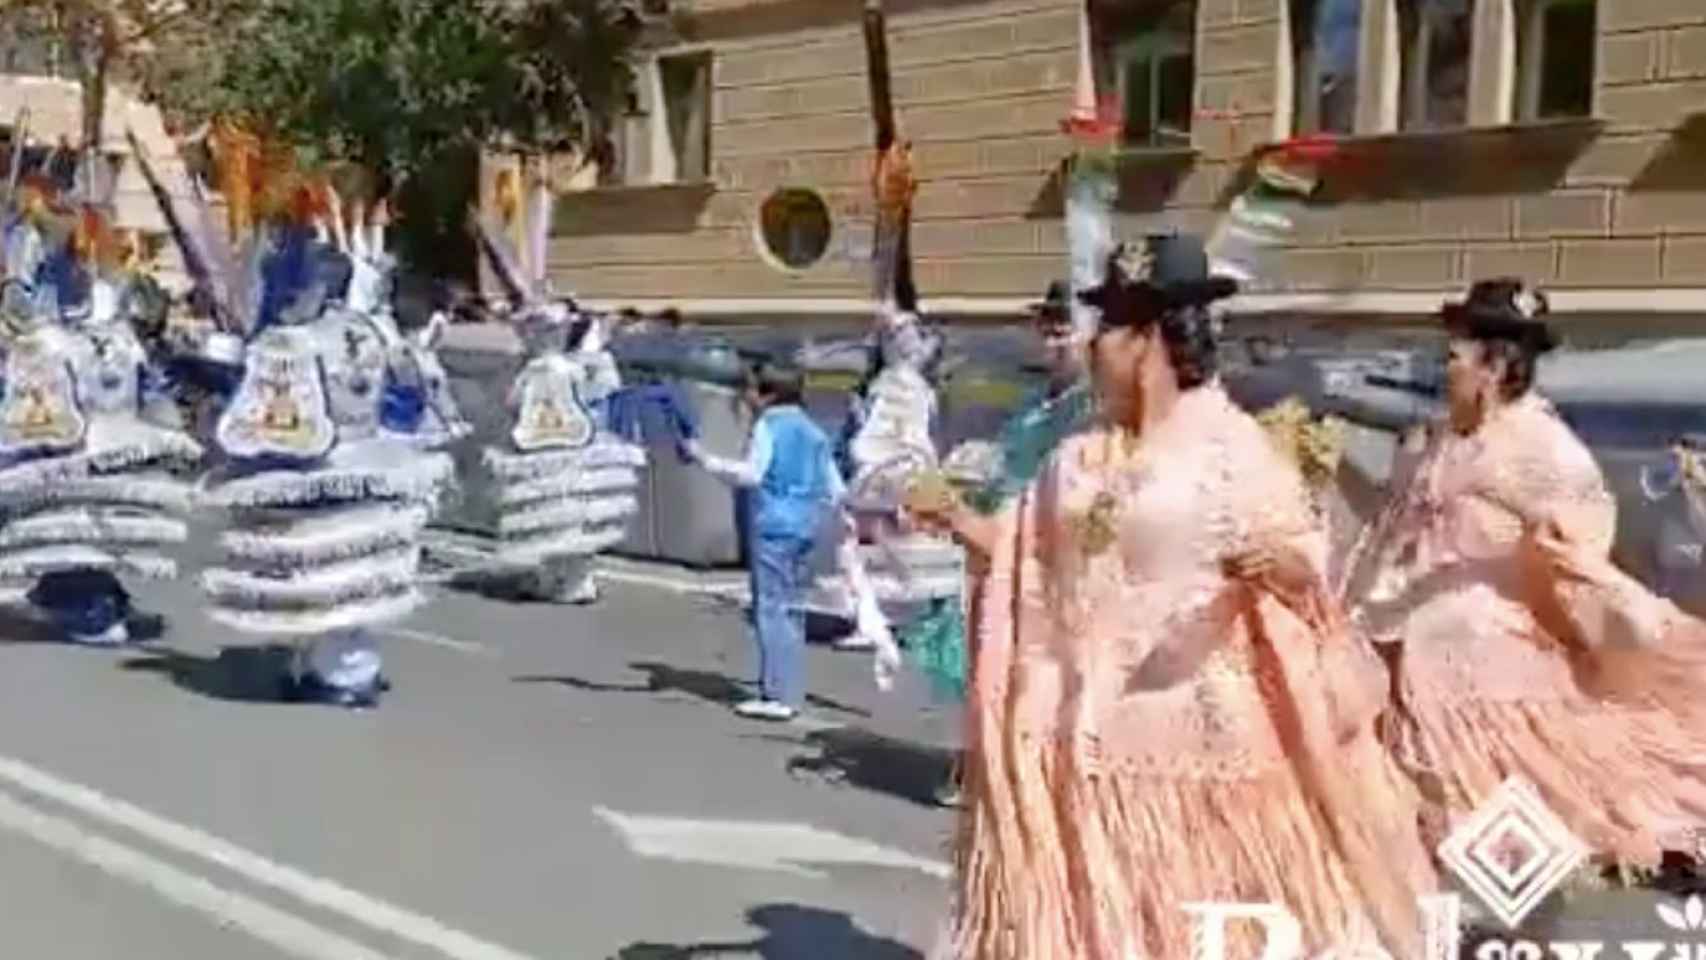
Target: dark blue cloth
72, 282
297, 261
190, 373
84, 603
652, 412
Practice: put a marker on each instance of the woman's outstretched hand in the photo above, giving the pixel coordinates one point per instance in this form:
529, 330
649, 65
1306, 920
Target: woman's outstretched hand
934, 505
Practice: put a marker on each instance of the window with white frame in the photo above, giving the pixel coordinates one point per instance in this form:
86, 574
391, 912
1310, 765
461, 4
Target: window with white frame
685, 83
1326, 38
664, 134
1555, 58
1438, 40
1145, 62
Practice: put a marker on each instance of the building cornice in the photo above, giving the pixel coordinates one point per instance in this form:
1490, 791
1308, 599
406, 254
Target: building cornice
1677, 300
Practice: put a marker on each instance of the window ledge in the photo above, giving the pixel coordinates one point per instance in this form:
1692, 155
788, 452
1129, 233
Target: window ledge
1566, 129
629, 189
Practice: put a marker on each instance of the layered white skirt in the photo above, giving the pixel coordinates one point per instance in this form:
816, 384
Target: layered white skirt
334, 547
114, 505
564, 503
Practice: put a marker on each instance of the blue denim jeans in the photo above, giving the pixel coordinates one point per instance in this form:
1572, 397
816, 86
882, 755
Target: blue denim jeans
779, 574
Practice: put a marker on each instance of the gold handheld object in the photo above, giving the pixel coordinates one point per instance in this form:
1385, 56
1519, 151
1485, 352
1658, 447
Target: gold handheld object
931, 493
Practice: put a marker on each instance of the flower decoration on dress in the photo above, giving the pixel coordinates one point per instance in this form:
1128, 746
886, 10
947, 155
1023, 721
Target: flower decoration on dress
1097, 528
1315, 445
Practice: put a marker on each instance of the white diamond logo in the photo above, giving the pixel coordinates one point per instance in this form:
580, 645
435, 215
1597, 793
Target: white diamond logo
1510, 853
1513, 852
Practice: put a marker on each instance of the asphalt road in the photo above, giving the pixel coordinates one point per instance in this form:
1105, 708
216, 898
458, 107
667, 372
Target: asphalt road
543, 782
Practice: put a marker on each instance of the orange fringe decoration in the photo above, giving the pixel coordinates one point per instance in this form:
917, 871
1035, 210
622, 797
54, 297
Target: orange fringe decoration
894, 181
237, 156
93, 240
36, 196
129, 253
507, 196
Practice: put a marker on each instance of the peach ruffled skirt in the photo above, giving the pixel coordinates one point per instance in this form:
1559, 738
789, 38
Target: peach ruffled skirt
1630, 783
1062, 863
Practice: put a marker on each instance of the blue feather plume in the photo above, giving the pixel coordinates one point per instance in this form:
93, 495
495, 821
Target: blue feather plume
287, 270
69, 282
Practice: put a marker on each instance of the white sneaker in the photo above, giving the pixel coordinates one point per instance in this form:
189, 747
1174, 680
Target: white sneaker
116, 635
856, 641
765, 710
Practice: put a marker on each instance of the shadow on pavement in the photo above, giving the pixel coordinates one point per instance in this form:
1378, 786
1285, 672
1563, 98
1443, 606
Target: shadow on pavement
712, 687
18, 626
863, 759
791, 932
22, 626
243, 674
512, 588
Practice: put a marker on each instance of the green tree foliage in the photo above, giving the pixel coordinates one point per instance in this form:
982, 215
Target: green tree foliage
392, 84
413, 90
140, 42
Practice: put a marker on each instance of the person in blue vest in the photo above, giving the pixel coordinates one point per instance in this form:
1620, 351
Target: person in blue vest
794, 486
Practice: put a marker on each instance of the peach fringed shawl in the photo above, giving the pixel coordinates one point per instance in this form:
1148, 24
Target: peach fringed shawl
1145, 733
1521, 649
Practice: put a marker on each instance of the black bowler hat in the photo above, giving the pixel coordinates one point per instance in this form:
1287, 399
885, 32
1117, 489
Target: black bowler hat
1501, 309
1164, 270
1055, 300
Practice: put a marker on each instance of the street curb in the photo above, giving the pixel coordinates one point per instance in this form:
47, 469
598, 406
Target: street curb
449, 557
465, 559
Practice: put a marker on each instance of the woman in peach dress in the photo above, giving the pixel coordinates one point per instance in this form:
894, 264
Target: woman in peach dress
1165, 706
1518, 649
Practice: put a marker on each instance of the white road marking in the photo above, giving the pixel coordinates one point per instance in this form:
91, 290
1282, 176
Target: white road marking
816, 724
781, 847
325, 894
291, 934
437, 640
674, 584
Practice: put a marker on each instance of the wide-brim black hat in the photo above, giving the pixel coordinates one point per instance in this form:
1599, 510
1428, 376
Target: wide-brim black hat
1501, 309
1055, 300
1164, 270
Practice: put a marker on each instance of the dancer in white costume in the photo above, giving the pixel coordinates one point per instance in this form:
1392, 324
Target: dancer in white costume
892, 448
96, 475
566, 484
326, 505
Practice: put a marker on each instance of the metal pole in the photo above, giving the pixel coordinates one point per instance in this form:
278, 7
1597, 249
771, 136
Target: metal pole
892, 240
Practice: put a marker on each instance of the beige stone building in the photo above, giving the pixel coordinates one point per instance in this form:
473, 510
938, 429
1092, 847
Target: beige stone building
39, 101
1563, 140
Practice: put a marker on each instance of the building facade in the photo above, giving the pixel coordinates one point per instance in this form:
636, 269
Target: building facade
1561, 140
42, 103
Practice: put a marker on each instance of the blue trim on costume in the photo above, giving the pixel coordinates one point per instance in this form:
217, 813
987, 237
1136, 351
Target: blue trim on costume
401, 407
